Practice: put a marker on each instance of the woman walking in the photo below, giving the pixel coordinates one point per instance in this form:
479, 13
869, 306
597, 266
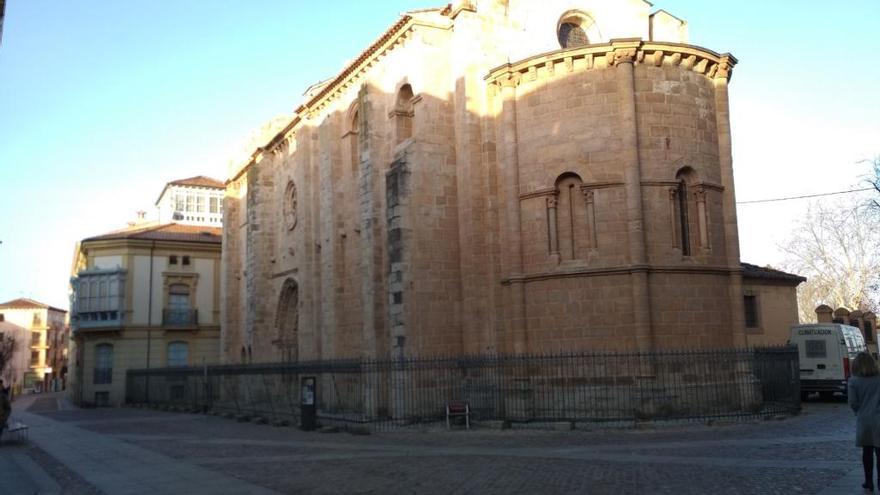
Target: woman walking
5, 408
863, 392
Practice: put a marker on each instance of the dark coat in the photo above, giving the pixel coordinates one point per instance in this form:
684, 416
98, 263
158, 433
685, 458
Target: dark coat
863, 394
5, 407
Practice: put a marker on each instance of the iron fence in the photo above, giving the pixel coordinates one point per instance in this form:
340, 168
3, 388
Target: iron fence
576, 387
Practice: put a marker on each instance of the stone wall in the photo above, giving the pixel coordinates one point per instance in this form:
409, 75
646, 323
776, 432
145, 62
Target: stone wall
435, 199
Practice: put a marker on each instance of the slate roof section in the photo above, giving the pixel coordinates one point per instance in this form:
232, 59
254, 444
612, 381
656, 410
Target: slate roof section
199, 181
27, 303
165, 232
756, 272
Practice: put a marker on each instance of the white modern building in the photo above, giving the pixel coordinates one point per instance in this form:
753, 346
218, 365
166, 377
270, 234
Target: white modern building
193, 201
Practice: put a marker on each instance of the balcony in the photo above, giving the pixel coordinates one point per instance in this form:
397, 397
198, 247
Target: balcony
180, 318
98, 299
97, 319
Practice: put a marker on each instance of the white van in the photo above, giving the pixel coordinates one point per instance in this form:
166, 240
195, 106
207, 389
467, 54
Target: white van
826, 351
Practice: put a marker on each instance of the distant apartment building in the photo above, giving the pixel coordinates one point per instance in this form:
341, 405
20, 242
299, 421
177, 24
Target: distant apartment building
143, 297
42, 332
19, 363
193, 201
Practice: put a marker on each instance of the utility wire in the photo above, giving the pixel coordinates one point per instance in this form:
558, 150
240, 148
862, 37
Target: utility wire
803, 197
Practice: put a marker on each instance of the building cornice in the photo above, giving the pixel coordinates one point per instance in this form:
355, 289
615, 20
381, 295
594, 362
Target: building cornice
147, 244
585, 271
690, 57
395, 36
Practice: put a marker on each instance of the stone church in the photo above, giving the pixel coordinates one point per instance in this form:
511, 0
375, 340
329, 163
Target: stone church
494, 176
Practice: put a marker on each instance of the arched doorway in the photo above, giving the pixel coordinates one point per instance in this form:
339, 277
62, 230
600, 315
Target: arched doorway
287, 322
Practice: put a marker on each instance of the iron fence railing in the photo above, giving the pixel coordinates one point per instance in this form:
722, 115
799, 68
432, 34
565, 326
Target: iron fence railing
180, 317
577, 387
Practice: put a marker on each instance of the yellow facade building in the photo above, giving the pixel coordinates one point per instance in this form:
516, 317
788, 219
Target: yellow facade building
770, 304
40, 360
144, 297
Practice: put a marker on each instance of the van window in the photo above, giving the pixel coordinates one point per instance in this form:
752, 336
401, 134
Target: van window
816, 349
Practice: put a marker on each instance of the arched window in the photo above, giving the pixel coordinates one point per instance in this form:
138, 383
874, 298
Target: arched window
572, 35
178, 354
403, 114
103, 364
572, 226
287, 322
576, 29
682, 210
353, 138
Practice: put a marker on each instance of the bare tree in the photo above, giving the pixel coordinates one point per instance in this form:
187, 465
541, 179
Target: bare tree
8, 346
837, 247
874, 179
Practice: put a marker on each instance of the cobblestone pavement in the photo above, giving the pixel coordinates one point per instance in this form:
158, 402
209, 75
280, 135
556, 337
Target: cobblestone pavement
809, 454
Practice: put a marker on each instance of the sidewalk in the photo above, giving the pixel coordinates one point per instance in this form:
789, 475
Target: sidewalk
19, 474
120, 468
145, 451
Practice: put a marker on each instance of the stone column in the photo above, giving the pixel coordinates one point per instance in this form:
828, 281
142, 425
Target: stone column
731, 235
589, 200
703, 218
552, 229
512, 254
624, 60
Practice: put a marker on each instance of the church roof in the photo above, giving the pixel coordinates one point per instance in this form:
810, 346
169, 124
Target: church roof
27, 303
165, 232
756, 272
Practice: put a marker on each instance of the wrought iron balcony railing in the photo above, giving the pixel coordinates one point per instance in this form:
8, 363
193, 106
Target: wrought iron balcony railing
180, 317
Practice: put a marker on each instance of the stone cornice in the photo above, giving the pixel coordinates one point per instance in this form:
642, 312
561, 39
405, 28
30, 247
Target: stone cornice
704, 61
672, 183
587, 186
618, 270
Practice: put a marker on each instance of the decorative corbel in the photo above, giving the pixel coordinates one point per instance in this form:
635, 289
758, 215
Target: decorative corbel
509, 80
658, 58
725, 67
625, 51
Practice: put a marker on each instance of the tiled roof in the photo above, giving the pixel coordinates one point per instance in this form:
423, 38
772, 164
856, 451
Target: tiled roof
199, 181
766, 273
166, 232
26, 303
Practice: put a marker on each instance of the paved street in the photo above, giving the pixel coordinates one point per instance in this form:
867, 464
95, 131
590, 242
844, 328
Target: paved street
133, 451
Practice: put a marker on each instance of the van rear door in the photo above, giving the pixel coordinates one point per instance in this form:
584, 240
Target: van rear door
820, 355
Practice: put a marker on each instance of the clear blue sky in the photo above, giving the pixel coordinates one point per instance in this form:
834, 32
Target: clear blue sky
102, 102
